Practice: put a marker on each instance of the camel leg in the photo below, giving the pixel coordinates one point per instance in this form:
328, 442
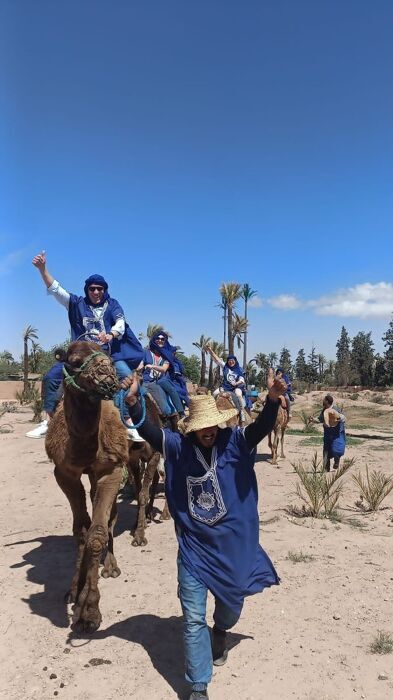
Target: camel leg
73, 489
139, 534
269, 441
275, 448
86, 610
282, 443
153, 491
110, 567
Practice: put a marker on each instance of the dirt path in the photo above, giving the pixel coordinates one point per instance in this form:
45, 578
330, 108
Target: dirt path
307, 639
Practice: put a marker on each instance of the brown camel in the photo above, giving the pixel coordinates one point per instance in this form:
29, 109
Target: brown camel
279, 432
224, 401
86, 435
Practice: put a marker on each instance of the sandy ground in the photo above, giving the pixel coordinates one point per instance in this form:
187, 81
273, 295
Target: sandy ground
308, 638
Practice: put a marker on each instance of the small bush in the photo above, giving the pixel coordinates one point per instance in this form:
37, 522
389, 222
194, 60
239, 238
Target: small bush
297, 557
308, 426
354, 397
319, 490
382, 644
373, 489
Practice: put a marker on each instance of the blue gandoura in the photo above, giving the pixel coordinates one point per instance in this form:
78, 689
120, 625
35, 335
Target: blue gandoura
213, 498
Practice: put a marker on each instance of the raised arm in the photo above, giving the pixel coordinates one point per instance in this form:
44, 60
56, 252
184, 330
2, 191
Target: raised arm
150, 432
213, 355
39, 261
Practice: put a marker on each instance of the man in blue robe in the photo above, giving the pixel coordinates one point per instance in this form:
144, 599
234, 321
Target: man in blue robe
212, 494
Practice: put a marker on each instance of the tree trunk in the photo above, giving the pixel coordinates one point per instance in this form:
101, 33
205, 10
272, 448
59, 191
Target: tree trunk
25, 367
245, 338
225, 328
230, 330
211, 380
203, 368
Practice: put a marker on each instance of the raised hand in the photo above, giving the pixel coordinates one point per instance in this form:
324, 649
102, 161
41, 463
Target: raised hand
39, 260
276, 386
132, 384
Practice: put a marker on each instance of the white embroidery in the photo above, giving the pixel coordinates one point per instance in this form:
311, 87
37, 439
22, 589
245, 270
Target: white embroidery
206, 500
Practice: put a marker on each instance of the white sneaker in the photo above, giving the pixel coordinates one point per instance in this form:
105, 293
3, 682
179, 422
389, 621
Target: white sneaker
134, 435
39, 431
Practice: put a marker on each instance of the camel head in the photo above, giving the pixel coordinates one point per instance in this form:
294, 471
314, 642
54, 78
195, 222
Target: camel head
90, 371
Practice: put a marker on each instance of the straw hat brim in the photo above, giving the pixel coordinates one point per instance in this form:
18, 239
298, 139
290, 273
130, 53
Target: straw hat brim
331, 417
189, 424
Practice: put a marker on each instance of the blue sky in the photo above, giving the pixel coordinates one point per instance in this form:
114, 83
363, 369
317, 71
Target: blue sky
173, 145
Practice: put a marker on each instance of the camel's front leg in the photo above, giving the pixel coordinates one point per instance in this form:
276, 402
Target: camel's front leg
86, 610
110, 567
282, 443
72, 487
275, 448
151, 467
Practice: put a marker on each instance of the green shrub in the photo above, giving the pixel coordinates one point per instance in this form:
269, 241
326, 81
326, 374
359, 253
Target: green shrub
373, 489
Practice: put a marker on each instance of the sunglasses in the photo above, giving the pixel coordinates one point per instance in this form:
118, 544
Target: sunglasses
96, 289
160, 337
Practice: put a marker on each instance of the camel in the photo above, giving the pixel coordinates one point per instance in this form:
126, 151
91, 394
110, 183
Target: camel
86, 436
279, 432
144, 469
224, 401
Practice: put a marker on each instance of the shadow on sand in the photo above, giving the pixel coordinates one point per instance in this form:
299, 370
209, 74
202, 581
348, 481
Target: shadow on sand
161, 637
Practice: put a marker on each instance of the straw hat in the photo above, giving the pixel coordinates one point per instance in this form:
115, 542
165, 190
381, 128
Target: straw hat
331, 417
203, 413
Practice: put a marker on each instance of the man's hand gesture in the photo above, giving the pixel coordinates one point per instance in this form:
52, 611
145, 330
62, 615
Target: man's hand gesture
39, 260
276, 386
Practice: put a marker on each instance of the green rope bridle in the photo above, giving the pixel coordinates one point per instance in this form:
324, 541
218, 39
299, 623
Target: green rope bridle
103, 388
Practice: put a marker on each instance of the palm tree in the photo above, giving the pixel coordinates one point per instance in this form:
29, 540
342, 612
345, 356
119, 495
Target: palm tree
224, 307
272, 357
212, 376
247, 293
154, 328
262, 360
240, 325
6, 357
36, 349
29, 333
201, 345
230, 292
321, 365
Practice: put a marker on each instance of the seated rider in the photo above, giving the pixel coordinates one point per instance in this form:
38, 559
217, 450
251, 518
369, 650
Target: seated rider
51, 392
99, 318
176, 373
158, 361
233, 379
280, 374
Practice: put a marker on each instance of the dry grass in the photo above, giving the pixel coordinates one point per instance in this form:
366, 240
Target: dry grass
382, 644
299, 557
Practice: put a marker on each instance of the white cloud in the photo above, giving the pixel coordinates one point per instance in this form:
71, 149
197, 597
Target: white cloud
255, 302
286, 302
362, 301
11, 260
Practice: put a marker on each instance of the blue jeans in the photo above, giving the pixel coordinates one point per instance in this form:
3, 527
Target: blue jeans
197, 644
160, 397
169, 389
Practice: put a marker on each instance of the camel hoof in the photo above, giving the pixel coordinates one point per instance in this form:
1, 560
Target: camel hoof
165, 516
139, 541
85, 626
112, 572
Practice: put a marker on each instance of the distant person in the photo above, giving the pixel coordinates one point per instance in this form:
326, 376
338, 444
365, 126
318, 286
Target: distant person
158, 362
233, 379
51, 392
288, 394
99, 318
334, 439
